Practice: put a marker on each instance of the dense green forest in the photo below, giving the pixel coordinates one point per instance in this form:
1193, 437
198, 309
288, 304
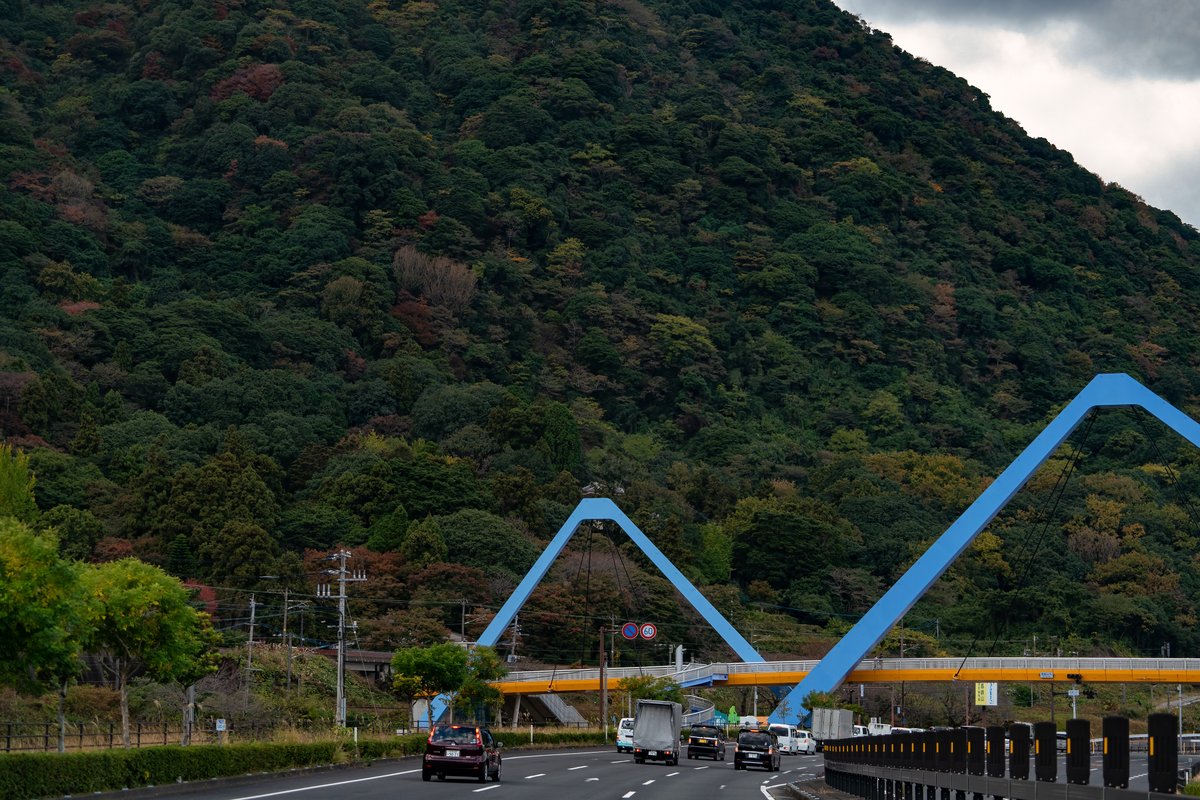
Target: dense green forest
279, 276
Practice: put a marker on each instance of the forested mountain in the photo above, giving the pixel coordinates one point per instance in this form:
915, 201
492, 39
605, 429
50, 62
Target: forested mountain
412, 277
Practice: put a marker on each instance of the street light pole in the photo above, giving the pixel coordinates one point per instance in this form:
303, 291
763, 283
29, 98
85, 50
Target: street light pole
603, 687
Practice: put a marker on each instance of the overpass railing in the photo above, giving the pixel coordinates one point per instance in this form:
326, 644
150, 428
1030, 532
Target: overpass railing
1049, 668
939, 764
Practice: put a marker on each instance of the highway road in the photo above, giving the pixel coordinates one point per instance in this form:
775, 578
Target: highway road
592, 774
583, 774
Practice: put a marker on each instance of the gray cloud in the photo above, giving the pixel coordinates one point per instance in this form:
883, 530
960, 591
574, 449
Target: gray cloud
1147, 38
1177, 189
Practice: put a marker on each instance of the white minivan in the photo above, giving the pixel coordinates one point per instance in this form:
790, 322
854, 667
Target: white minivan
787, 737
805, 743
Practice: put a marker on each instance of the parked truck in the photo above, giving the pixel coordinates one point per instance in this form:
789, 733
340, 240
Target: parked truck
832, 723
656, 729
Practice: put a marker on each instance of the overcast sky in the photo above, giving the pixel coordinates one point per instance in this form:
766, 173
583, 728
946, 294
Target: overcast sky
1115, 82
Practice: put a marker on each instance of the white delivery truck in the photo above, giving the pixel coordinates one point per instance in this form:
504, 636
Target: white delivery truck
656, 729
832, 723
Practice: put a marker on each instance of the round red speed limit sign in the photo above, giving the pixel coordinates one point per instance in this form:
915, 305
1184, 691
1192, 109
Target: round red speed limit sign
649, 631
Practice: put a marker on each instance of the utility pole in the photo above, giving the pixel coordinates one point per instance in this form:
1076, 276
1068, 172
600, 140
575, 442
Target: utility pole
603, 687
344, 576
287, 638
249, 654
512, 644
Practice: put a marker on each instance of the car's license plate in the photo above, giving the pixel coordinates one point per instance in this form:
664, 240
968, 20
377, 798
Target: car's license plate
751, 755
451, 754
652, 753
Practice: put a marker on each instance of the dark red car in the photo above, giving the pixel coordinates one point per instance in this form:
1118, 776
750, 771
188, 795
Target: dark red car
466, 750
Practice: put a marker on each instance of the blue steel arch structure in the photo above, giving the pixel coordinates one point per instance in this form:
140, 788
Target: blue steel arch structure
605, 509
1104, 391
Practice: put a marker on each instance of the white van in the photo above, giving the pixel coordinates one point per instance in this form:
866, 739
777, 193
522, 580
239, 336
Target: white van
625, 735
785, 736
861, 730
805, 743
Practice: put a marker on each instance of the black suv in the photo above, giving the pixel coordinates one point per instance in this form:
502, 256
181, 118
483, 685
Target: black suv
706, 740
467, 750
758, 749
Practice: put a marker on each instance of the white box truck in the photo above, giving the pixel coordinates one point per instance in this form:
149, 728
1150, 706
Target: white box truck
832, 723
656, 728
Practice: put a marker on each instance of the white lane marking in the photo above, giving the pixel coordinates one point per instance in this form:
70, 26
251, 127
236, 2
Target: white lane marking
767, 794
647, 783
627, 795
486, 788
326, 785
622, 761
589, 780
539, 775
575, 753
1144, 774
699, 767
672, 774
572, 769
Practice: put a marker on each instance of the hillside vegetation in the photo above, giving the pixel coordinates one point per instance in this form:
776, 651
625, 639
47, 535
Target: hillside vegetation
413, 277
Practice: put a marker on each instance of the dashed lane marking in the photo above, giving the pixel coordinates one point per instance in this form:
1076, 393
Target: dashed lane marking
572, 769
627, 795
647, 783
487, 788
672, 774
326, 785
539, 775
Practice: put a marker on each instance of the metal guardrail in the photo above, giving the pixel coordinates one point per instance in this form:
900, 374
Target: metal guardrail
929, 765
43, 736
704, 712
1055, 668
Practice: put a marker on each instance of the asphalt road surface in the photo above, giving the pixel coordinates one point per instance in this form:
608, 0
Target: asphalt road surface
583, 774
591, 774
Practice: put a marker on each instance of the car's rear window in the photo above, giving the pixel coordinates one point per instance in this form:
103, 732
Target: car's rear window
453, 734
757, 739
703, 730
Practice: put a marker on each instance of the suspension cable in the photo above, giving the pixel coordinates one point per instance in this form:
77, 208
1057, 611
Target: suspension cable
1038, 533
1187, 504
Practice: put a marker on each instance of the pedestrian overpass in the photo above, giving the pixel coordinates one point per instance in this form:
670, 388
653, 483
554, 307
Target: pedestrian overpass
883, 670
